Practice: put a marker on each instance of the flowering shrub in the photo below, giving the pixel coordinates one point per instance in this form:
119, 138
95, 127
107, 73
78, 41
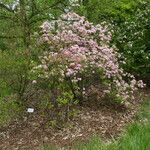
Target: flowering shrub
77, 52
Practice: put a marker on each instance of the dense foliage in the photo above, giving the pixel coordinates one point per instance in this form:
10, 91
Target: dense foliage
59, 65
132, 38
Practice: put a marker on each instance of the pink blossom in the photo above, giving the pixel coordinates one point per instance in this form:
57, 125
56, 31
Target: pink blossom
77, 45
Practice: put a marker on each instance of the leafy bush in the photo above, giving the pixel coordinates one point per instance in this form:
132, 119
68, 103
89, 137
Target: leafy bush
14, 80
132, 38
14, 67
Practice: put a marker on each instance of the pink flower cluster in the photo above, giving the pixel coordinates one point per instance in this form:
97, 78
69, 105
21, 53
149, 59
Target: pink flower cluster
76, 44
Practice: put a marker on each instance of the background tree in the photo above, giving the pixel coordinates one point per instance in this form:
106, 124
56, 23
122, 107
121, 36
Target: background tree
21, 18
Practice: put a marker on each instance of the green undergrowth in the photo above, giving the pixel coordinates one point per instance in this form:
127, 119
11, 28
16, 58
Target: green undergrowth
135, 137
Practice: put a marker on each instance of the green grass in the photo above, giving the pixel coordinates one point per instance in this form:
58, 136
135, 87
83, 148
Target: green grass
144, 114
136, 136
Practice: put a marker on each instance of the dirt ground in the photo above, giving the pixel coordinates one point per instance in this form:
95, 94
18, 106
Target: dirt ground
105, 121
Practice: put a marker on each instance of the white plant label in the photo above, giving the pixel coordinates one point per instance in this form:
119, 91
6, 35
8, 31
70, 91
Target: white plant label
30, 110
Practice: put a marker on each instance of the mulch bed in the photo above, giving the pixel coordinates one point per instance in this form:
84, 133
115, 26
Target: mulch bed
31, 133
